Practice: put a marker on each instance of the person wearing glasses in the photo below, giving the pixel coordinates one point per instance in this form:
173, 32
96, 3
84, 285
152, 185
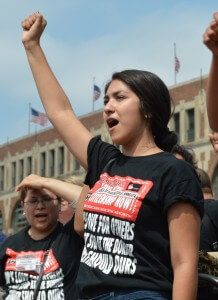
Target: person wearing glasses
22, 255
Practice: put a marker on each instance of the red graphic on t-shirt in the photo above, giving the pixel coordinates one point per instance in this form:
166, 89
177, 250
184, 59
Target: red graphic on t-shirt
118, 196
51, 263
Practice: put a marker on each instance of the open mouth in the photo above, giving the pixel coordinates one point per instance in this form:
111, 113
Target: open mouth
112, 122
41, 216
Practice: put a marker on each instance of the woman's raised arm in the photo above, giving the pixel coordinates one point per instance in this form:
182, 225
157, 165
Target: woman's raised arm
54, 99
211, 41
69, 191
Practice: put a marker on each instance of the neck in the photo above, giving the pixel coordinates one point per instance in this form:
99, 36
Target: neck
142, 146
39, 235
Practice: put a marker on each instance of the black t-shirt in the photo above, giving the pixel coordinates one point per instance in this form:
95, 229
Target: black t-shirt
21, 252
209, 227
125, 219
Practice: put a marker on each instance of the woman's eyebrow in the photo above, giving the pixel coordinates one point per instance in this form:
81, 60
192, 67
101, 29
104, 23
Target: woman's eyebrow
106, 97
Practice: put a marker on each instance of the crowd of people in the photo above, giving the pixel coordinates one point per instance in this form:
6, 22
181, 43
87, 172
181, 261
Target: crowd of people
135, 231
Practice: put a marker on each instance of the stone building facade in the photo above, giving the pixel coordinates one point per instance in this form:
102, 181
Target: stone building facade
45, 154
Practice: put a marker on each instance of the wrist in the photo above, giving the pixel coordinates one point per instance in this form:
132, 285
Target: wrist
48, 183
31, 45
215, 57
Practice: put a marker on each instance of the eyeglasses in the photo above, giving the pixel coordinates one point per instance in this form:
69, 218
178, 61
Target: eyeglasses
35, 201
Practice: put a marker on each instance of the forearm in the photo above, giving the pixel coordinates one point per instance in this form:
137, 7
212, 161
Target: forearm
185, 282
68, 191
212, 94
57, 105
79, 221
51, 93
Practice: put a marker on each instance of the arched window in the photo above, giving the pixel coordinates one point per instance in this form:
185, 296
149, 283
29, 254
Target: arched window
19, 221
215, 183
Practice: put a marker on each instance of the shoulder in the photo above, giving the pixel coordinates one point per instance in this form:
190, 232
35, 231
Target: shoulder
99, 154
97, 145
174, 161
180, 183
175, 167
14, 241
16, 238
180, 172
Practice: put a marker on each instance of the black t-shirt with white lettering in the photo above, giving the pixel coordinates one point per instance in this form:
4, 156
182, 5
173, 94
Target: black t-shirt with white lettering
125, 219
20, 257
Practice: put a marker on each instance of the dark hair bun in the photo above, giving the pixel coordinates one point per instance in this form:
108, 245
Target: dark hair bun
165, 139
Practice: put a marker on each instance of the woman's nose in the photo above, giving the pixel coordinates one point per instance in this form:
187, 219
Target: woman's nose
109, 107
40, 203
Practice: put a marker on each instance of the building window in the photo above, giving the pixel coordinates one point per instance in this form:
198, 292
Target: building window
61, 160
21, 170
42, 164
176, 120
29, 165
2, 173
51, 163
19, 220
13, 173
76, 165
191, 125
215, 183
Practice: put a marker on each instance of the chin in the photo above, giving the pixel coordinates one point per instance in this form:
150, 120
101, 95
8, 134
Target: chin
42, 228
120, 141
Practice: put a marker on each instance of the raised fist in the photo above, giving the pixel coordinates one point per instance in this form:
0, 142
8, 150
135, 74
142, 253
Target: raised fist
33, 28
210, 36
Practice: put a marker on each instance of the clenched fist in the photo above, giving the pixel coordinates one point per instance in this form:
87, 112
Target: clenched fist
33, 28
210, 36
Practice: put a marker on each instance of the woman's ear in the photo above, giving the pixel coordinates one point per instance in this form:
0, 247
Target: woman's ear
148, 116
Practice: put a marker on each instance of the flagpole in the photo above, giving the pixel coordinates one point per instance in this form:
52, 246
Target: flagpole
93, 102
29, 119
174, 63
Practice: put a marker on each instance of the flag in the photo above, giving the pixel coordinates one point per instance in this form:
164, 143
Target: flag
38, 117
96, 92
177, 64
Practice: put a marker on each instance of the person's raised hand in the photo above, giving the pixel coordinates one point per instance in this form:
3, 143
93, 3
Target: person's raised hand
214, 140
210, 36
33, 27
32, 181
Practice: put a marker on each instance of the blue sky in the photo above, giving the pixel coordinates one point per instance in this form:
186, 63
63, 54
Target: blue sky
94, 38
